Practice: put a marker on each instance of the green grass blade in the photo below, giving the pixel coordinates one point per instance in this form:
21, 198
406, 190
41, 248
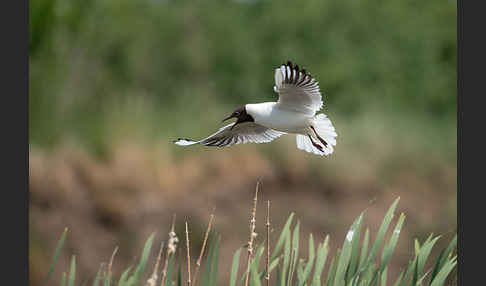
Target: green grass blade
345, 257
376, 277
364, 249
419, 281
234, 267
450, 248
106, 280
286, 260
208, 266
97, 279
332, 268
384, 276
444, 272
322, 252
437, 265
282, 237
310, 260
255, 278
300, 272
390, 247
417, 246
399, 279
258, 256
444, 255
381, 232
425, 252
273, 264
368, 274
170, 270
133, 280
72, 272
214, 263
124, 276
143, 260
63, 279
256, 260
290, 272
354, 251
179, 276
415, 274
56, 255
295, 249
408, 271
278, 281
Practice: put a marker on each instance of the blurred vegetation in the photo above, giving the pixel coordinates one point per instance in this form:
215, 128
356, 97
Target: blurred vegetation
106, 70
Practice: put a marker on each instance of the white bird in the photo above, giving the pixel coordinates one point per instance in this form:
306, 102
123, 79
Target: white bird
294, 112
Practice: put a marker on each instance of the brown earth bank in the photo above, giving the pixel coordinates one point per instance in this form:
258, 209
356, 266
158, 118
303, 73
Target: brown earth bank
121, 200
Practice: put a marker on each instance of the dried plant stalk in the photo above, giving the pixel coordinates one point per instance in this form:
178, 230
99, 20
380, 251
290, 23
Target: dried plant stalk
188, 257
253, 234
198, 262
110, 265
267, 276
171, 247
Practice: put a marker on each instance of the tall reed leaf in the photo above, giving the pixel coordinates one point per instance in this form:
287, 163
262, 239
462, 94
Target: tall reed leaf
124, 277
444, 272
381, 234
72, 271
214, 263
234, 267
364, 248
322, 251
98, 276
56, 255
346, 252
63, 279
353, 262
208, 267
390, 247
133, 280
282, 237
310, 260
286, 260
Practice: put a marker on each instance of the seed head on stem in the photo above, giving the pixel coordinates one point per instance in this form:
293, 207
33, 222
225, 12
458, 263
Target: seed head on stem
253, 234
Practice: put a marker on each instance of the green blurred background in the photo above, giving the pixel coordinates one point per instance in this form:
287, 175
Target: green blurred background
112, 83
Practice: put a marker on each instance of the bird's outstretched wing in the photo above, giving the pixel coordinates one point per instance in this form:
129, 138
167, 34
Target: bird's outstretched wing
242, 133
297, 90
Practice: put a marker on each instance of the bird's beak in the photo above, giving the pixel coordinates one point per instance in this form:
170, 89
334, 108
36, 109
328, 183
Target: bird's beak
229, 117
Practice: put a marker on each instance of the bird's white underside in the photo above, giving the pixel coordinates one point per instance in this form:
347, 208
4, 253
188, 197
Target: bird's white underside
294, 112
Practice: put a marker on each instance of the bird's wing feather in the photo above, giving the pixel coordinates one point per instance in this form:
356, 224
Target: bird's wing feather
297, 89
242, 133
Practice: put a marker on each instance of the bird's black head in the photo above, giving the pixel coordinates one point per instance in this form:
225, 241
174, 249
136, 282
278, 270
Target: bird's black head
241, 115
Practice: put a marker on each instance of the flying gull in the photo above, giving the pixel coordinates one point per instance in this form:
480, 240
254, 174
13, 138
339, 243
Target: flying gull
299, 99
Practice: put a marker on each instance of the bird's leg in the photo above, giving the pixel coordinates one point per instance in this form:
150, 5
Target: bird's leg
315, 144
319, 137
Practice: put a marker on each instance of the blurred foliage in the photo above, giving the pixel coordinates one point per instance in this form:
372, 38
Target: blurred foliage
144, 69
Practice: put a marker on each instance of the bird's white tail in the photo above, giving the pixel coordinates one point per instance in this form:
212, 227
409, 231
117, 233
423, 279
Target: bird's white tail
324, 129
